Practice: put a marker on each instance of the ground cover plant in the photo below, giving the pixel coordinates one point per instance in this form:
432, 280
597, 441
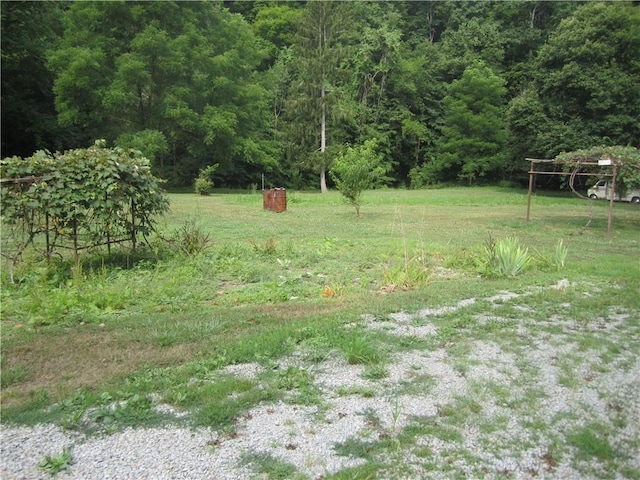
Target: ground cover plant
309, 313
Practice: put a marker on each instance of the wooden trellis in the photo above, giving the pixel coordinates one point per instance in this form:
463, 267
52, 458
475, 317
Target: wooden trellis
42, 223
572, 175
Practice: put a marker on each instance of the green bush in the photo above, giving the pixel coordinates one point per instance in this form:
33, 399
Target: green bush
78, 199
203, 186
204, 182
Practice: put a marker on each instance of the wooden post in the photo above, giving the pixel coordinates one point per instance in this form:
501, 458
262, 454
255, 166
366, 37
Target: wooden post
76, 258
46, 232
133, 225
106, 197
531, 177
613, 193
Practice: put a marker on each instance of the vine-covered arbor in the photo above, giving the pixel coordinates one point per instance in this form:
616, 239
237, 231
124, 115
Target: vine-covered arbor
620, 164
76, 200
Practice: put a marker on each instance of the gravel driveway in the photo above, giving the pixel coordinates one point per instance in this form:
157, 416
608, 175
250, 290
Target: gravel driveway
509, 398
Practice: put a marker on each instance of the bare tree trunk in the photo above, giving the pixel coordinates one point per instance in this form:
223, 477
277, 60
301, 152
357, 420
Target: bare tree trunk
323, 140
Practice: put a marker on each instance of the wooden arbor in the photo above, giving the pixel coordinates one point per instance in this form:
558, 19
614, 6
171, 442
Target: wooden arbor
575, 171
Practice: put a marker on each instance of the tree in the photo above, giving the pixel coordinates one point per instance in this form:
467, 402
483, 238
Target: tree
474, 136
276, 25
525, 120
177, 74
358, 169
319, 50
28, 111
477, 39
414, 109
589, 78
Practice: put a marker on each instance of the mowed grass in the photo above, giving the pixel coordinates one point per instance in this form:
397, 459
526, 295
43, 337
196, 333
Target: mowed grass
268, 282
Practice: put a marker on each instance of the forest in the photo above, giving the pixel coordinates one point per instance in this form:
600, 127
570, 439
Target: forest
450, 91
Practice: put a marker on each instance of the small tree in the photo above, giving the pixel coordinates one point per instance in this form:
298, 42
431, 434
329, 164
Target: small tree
204, 182
358, 169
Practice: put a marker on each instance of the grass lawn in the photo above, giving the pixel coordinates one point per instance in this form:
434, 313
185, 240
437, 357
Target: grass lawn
136, 332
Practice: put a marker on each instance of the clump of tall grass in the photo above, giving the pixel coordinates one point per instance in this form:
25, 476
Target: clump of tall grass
556, 260
560, 255
413, 273
504, 257
191, 238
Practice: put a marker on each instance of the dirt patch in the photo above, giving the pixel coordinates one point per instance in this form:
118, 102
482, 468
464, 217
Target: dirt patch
59, 364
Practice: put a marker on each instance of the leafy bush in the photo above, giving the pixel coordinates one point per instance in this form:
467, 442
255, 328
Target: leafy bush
203, 186
204, 182
78, 199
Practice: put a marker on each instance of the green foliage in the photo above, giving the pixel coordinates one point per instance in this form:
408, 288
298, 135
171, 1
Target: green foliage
413, 273
204, 182
54, 464
474, 135
220, 408
505, 257
29, 120
591, 444
13, 375
276, 25
585, 90
627, 160
267, 466
79, 199
560, 255
203, 186
188, 83
134, 409
319, 68
294, 378
175, 79
360, 348
151, 143
358, 169
191, 238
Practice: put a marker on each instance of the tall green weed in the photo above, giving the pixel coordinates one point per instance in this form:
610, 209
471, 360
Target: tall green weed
505, 257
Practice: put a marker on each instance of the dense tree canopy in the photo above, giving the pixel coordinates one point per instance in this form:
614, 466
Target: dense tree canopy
450, 91
473, 140
174, 78
584, 90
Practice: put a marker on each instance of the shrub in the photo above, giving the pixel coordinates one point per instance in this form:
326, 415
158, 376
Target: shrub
78, 199
203, 186
191, 238
204, 182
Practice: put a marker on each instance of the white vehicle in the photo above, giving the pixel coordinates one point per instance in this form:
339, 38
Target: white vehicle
602, 190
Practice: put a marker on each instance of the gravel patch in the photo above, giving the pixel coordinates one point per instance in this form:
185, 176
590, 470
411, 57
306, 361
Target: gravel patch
518, 410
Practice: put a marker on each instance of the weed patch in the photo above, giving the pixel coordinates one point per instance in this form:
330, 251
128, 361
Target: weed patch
592, 443
269, 466
54, 464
